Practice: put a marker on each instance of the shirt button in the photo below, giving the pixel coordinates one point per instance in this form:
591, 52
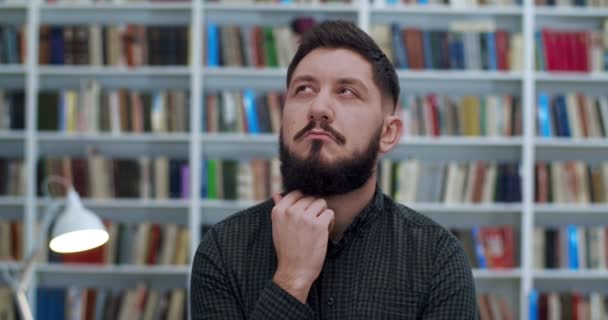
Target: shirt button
331, 301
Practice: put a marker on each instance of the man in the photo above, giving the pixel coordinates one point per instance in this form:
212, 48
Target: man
333, 246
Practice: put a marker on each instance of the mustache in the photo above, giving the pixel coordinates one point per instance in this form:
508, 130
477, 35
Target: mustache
323, 125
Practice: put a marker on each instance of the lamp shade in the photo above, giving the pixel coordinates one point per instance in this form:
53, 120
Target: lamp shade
76, 228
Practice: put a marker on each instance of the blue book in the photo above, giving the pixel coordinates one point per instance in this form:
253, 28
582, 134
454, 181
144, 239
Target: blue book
398, 47
491, 50
479, 251
533, 307
10, 45
426, 46
250, 111
456, 51
213, 45
423, 1
57, 46
572, 247
50, 303
544, 115
562, 116
391, 2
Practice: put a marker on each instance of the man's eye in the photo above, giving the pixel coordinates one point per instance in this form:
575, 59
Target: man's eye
303, 89
346, 91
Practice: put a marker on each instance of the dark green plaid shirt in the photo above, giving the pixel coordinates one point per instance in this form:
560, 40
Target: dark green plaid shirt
392, 263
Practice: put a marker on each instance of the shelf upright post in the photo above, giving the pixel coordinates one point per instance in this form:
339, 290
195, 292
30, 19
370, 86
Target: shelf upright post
196, 85
527, 172
31, 147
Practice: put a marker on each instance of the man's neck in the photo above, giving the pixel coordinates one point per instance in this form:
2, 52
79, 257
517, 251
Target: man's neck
347, 206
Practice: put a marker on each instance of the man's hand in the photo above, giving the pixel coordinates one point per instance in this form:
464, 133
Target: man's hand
300, 231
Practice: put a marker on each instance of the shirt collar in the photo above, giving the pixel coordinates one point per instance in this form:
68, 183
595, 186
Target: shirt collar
360, 224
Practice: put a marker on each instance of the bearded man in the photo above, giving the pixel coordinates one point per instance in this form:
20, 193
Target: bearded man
333, 246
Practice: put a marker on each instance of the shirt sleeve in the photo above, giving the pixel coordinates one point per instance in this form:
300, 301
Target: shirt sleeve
212, 296
452, 294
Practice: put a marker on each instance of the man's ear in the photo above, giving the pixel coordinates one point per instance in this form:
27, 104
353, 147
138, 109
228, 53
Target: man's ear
392, 129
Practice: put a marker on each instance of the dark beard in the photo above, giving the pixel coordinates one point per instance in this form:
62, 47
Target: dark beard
312, 177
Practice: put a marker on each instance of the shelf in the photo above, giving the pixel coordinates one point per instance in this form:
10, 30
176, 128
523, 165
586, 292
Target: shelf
13, 12
126, 145
562, 214
12, 69
456, 215
274, 78
11, 207
242, 146
137, 210
140, 13
587, 149
579, 77
447, 10
584, 280
11, 136
571, 12
145, 77
496, 273
12, 143
119, 276
565, 274
214, 8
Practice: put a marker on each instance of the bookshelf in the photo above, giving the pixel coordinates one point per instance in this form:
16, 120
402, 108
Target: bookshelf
194, 145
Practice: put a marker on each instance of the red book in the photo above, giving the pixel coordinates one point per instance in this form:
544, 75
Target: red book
258, 47
154, 244
414, 47
509, 245
432, 101
542, 183
561, 51
502, 49
93, 256
493, 242
583, 47
91, 297
577, 299
568, 51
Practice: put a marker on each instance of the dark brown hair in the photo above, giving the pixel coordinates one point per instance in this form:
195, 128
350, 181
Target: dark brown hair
346, 35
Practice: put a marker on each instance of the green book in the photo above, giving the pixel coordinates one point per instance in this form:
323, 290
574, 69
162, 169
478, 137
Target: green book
229, 177
212, 179
270, 49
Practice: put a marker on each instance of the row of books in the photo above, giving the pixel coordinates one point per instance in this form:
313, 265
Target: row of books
97, 176
572, 115
93, 110
470, 45
254, 45
571, 247
254, 180
488, 247
444, 115
12, 177
571, 50
491, 306
140, 244
243, 111
120, 45
12, 44
549, 305
11, 240
410, 181
571, 182
140, 302
8, 309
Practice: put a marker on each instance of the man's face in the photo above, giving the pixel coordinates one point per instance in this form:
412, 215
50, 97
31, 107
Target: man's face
332, 122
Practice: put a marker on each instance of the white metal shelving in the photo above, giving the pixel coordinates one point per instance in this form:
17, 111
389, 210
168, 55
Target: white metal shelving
196, 145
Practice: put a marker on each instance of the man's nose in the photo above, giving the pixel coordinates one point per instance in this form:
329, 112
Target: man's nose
322, 108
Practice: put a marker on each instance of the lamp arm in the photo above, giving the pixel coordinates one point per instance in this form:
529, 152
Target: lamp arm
20, 282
